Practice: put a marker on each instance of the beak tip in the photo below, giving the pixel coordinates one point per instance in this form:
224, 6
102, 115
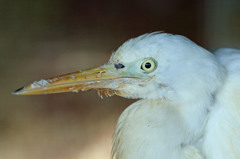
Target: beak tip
18, 91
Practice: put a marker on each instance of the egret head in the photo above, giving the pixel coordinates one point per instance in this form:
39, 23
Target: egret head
151, 66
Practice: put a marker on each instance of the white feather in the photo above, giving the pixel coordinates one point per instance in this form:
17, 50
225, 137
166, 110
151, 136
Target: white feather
222, 135
169, 120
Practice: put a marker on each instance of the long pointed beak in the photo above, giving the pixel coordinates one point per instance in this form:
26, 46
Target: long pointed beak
100, 78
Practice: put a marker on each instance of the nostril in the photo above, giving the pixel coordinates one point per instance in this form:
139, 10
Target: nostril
119, 66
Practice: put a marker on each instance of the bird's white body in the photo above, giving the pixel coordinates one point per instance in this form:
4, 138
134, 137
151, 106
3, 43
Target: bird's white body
160, 133
222, 134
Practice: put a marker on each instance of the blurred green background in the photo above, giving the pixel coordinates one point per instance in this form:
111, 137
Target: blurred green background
39, 39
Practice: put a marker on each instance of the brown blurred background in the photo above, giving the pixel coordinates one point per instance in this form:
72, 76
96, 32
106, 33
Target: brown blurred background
39, 39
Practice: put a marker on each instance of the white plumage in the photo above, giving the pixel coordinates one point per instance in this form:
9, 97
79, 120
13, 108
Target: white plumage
222, 133
189, 105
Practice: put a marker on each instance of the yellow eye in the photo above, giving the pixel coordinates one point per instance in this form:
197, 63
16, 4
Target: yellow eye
148, 65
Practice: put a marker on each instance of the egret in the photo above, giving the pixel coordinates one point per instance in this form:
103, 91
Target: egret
188, 105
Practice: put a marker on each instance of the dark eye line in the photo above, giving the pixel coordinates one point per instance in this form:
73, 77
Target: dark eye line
119, 66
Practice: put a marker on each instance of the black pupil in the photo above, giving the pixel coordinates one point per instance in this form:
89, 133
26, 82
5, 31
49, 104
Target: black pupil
148, 65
